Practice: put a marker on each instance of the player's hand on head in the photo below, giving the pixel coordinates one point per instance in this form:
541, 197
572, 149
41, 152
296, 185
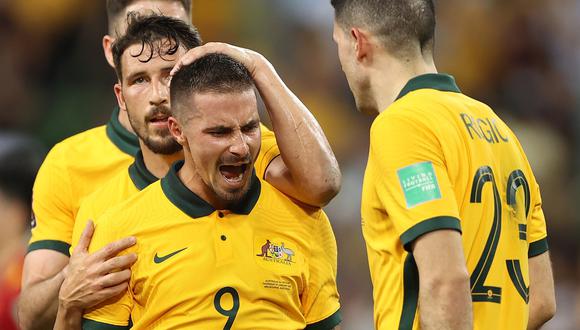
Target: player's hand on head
246, 57
91, 279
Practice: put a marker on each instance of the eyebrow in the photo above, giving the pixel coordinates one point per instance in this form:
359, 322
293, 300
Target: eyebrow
253, 122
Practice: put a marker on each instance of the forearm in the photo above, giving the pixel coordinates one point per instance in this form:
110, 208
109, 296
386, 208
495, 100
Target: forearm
38, 303
445, 305
68, 319
302, 143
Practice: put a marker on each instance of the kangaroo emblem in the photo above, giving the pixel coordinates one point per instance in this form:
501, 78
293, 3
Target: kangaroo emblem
265, 249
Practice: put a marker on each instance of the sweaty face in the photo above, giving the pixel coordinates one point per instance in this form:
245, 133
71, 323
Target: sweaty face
359, 84
145, 92
223, 134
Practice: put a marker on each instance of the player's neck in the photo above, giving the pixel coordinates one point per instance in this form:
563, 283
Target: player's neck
387, 83
191, 179
158, 164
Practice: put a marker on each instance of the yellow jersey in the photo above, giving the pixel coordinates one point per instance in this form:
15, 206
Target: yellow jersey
79, 165
267, 263
73, 169
441, 160
124, 185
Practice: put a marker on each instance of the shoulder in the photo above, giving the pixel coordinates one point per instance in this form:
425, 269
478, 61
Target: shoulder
134, 209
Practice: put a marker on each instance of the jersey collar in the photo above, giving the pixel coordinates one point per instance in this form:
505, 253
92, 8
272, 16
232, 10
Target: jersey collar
195, 206
120, 136
139, 173
439, 81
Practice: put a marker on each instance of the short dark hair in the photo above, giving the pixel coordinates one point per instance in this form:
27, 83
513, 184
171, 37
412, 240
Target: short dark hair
400, 24
157, 34
212, 73
116, 8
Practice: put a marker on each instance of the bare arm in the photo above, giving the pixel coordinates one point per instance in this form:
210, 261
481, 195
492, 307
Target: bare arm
81, 284
542, 297
444, 293
41, 279
307, 169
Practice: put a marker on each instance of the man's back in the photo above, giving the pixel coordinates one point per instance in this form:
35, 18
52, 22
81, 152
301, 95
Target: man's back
457, 156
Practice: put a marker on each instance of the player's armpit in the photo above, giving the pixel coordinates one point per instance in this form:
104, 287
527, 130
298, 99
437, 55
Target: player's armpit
542, 296
444, 293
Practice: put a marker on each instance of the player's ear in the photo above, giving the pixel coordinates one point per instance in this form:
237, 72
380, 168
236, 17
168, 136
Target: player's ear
107, 44
120, 98
362, 44
176, 131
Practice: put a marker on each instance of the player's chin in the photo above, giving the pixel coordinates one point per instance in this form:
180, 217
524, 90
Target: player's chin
233, 191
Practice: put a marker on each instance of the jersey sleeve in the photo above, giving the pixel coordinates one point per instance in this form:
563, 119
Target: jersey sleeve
268, 151
53, 220
116, 312
537, 232
411, 180
320, 300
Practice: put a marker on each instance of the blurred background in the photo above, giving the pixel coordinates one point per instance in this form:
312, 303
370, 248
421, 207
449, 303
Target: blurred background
522, 57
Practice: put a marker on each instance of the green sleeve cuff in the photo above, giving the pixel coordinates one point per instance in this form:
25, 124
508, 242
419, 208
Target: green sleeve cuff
426, 226
538, 247
94, 325
54, 245
326, 324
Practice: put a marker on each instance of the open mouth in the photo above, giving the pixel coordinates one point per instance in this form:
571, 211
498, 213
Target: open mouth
233, 173
158, 119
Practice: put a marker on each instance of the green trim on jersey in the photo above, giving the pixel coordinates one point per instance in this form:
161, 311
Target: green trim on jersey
94, 325
54, 245
439, 81
139, 173
538, 247
195, 206
410, 293
326, 324
426, 226
121, 137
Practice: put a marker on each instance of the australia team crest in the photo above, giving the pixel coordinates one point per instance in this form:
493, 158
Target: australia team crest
277, 252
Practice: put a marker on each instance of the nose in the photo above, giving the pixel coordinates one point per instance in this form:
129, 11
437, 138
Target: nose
159, 93
239, 145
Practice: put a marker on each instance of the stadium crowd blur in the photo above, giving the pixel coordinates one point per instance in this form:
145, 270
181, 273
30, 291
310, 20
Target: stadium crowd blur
521, 57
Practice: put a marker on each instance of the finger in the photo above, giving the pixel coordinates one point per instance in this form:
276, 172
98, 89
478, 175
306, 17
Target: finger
114, 248
86, 236
114, 279
196, 53
117, 263
107, 293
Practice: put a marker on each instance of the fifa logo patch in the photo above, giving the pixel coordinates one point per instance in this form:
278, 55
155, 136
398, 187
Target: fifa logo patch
276, 252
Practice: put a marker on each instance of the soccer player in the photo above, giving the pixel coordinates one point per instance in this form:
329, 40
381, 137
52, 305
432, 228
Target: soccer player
451, 212
306, 170
218, 247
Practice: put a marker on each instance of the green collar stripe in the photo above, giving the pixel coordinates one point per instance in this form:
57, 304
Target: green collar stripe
195, 206
139, 173
438, 81
121, 137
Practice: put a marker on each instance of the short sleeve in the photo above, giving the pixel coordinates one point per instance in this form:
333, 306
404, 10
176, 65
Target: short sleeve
320, 300
116, 312
53, 219
268, 151
411, 180
537, 231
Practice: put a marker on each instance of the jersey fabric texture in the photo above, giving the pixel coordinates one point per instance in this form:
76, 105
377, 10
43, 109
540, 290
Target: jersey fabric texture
266, 263
73, 169
441, 160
